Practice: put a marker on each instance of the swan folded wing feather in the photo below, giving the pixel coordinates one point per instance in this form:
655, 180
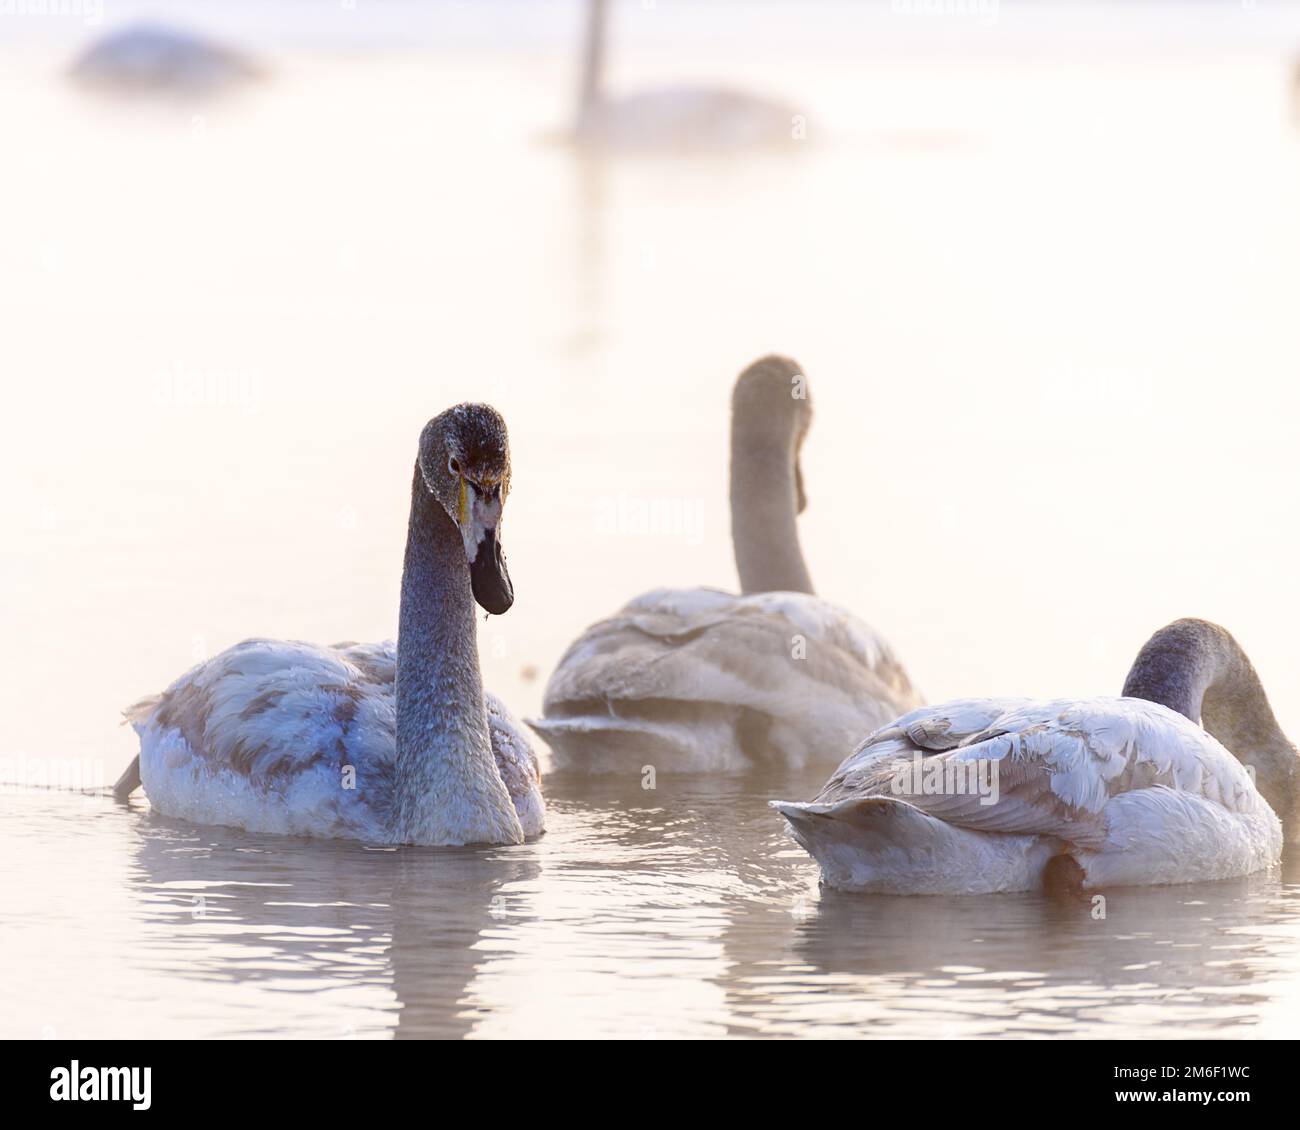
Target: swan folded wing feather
1026, 801
1059, 764
924, 730
264, 709
704, 645
377, 662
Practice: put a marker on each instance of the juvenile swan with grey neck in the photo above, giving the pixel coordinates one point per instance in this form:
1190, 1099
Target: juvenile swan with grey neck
695, 680
981, 795
367, 741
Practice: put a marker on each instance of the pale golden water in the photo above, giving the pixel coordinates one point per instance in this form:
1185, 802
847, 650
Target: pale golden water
1046, 304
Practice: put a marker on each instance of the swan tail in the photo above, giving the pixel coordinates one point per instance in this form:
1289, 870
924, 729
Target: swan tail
129, 781
888, 846
137, 714
870, 823
868, 844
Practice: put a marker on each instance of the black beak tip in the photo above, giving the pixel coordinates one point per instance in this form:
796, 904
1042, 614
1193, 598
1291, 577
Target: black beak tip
496, 601
489, 578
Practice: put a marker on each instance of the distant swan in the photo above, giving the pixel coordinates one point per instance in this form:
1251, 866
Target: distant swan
144, 58
700, 680
688, 117
368, 742
1090, 792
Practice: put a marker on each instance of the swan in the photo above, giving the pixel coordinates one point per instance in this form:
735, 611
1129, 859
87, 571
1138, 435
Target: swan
1090, 792
148, 57
672, 118
698, 680
393, 745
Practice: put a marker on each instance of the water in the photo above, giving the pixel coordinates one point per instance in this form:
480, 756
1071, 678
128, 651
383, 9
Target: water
682, 912
1041, 281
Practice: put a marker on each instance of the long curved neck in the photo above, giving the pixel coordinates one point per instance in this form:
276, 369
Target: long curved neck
592, 75
446, 787
1199, 670
764, 509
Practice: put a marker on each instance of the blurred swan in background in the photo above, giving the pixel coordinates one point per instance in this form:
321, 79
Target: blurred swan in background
1089, 793
701, 680
367, 742
686, 117
148, 58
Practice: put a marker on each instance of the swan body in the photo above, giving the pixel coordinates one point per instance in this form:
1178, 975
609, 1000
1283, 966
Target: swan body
299, 740
682, 119
395, 744
697, 680
1132, 791
702, 680
982, 795
144, 57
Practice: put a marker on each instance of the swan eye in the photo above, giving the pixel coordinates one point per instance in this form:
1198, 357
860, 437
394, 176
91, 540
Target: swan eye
453, 465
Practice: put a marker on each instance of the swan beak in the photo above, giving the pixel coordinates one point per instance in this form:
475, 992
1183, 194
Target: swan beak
480, 520
488, 576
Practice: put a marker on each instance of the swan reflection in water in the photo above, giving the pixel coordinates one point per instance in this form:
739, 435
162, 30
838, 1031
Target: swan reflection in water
334, 917
685, 910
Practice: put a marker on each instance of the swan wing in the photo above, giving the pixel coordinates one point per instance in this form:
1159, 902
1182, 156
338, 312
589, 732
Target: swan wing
264, 709
272, 736
724, 680
517, 764
701, 644
230, 739
1058, 765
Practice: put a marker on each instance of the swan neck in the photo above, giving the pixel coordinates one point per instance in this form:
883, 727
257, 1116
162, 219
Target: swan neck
764, 509
446, 786
592, 74
1199, 670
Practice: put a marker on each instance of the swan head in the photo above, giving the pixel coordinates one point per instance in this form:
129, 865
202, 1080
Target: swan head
771, 409
465, 464
1198, 669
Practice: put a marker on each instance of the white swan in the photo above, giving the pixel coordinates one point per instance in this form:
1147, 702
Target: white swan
370, 742
698, 680
674, 118
1089, 793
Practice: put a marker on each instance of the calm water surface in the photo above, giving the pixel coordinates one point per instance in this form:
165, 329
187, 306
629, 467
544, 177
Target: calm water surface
678, 912
1043, 284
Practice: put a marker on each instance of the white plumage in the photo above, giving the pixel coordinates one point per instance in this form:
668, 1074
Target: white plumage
701, 680
1129, 790
295, 739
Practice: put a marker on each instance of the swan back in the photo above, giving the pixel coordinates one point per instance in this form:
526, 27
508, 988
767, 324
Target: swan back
697, 680
296, 739
1135, 792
